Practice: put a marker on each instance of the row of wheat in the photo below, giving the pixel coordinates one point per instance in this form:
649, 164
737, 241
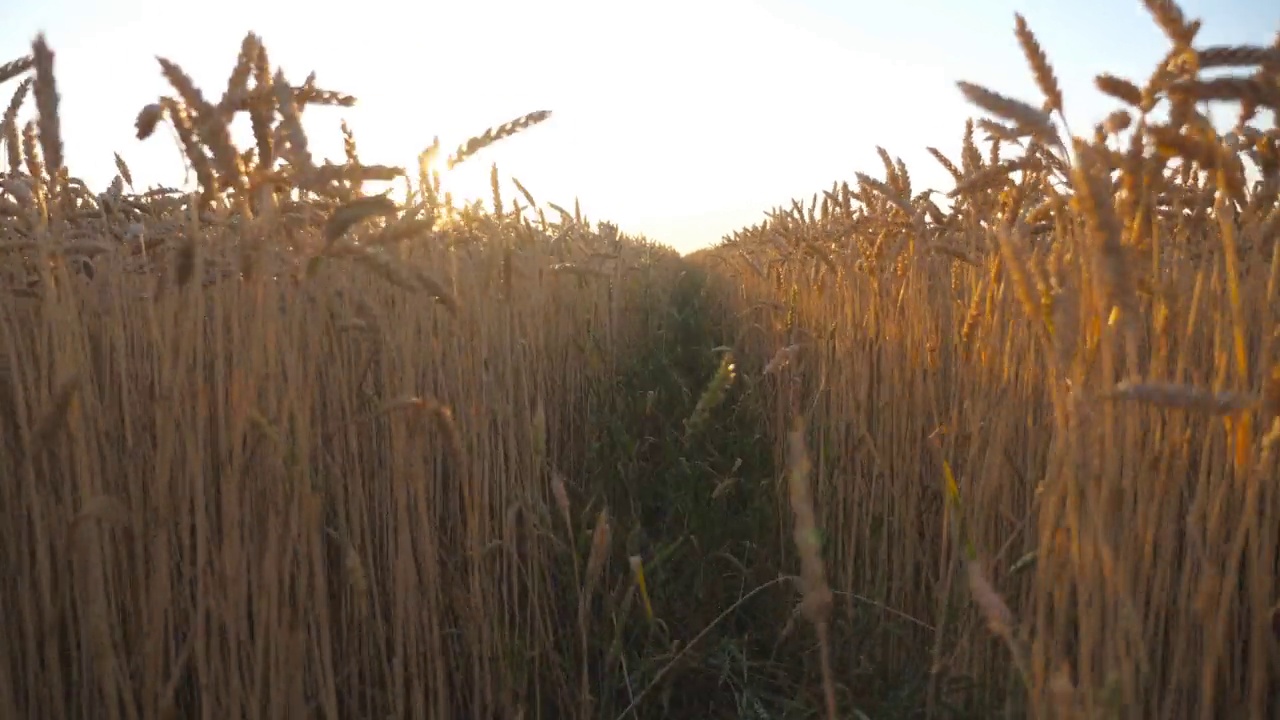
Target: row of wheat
283, 448
1043, 420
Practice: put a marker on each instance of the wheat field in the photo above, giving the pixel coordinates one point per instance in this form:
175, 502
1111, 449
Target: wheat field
290, 444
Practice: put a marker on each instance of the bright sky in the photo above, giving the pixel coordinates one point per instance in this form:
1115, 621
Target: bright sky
679, 119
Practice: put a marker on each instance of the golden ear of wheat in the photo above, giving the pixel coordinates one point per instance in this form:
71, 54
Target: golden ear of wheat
493, 135
46, 94
1040, 67
14, 68
353, 211
1025, 117
9, 130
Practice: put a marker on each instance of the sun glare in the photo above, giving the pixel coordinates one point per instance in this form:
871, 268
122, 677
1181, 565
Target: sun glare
465, 182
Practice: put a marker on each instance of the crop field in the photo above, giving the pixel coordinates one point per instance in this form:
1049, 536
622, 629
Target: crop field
316, 440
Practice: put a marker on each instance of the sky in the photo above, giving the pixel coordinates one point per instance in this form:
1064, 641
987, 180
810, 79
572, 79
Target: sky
682, 120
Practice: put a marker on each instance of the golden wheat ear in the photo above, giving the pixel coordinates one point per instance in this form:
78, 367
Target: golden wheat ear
493, 135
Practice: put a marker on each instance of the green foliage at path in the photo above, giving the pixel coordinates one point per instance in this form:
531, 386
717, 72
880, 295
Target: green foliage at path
682, 458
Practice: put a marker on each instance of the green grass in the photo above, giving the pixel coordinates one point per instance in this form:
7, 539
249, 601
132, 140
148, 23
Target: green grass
685, 463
